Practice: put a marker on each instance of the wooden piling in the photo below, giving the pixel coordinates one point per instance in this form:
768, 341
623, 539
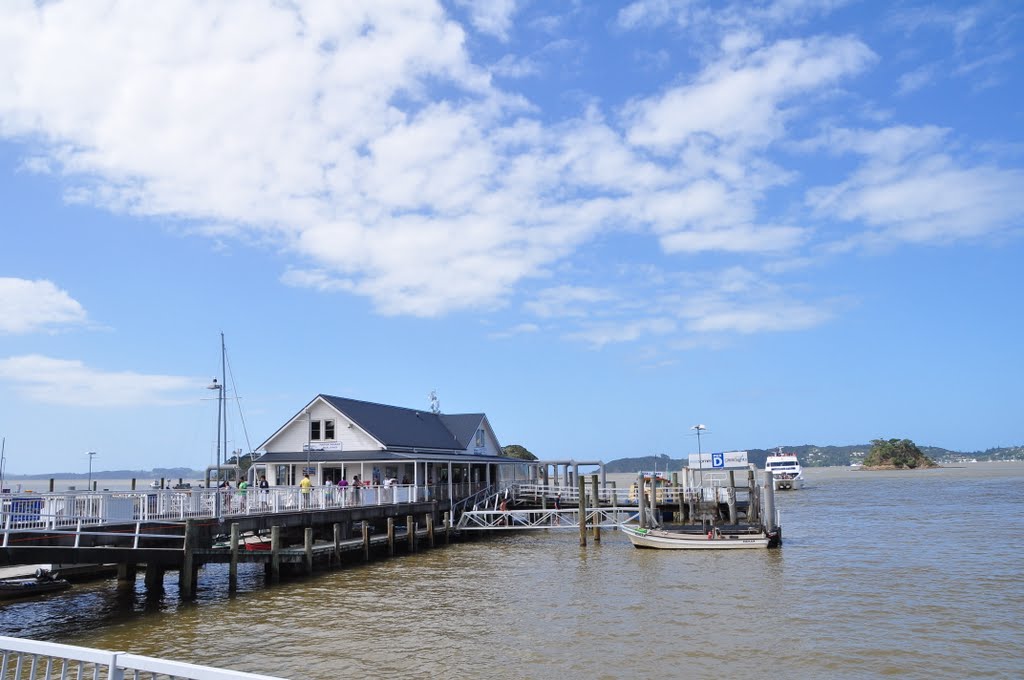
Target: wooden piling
275, 554
391, 536
186, 580
430, 529
447, 527
125, 575
641, 499
233, 566
595, 497
582, 485
307, 544
154, 578
769, 500
732, 497
655, 520
337, 544
410, 532
366, 541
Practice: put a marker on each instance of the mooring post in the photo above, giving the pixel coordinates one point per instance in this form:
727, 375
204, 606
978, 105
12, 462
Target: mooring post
641, 499
769, 500
582, 484
275, 554
430, 529
51, 484
410, 532
732, 497
233, 568
447, 527
307, 546
337, 544
391, 536
133, 484
366, 541
655, 520
595, 496
186, 584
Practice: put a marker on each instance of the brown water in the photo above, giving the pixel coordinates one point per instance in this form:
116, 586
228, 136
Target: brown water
912, 574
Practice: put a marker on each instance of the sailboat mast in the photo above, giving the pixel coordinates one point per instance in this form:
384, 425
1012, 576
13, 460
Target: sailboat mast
223, 397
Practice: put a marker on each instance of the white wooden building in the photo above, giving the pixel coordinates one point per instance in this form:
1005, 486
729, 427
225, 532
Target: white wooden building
334, 438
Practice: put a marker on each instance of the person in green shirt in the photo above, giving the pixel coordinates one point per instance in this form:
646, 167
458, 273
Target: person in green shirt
243, 486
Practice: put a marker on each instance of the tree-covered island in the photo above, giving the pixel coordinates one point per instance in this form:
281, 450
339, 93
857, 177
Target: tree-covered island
896, 454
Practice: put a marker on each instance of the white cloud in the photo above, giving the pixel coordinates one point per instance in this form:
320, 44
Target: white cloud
71, 383
567, 301
492, 17
604, 333
910, 189
742, 100
31, 306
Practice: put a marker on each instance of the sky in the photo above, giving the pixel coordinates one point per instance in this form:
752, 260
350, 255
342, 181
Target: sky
791, 221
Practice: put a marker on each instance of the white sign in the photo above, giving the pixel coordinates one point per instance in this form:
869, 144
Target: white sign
325, 446
719, 461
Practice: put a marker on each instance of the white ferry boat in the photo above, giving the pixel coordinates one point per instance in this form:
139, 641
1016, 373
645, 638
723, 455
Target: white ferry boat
786, 470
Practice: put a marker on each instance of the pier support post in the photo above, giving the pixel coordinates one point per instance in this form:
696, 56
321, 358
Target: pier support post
275, 554
595, 497
582, 484
366, 541
186, 577
337, 544
410, 532
133, 484
769, 500
307, 545
154, 578
655, 520
125, 575
233, 566
447, 527
391, 536
430, 530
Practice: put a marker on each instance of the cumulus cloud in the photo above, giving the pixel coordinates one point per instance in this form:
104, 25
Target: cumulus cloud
32, 306
65, 382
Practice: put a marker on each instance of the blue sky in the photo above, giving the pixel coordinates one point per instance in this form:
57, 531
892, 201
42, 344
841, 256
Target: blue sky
794, 222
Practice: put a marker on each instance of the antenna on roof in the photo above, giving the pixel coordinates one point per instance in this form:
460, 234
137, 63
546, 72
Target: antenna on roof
435, 403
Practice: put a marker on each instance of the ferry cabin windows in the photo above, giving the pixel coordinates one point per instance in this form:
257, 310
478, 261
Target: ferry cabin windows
321, 430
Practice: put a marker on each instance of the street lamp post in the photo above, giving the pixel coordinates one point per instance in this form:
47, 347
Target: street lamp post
700, 458
90, 454
220, 401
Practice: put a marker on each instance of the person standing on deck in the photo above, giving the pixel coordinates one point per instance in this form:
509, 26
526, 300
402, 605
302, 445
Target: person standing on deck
304, 486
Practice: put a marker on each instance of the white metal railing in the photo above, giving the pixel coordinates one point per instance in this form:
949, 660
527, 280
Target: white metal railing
29, 659
68, 510
606, 517
568, 495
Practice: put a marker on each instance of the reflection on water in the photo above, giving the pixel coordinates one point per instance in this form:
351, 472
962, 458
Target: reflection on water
880, 574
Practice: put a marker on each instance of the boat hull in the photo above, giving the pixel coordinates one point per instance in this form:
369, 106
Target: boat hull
659, 539
788, 484
29, 587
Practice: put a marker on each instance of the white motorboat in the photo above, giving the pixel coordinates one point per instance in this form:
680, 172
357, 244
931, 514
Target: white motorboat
786, 470
735, 538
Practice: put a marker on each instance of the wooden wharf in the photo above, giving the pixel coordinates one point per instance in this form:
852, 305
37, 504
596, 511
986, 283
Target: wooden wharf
178, 530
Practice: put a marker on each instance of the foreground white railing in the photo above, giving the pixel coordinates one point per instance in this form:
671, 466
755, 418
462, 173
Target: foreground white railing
30, 659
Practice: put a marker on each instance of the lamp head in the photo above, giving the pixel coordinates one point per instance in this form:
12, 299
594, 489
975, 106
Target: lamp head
214, 385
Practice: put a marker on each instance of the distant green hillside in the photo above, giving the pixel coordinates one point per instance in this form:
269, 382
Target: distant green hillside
811, 455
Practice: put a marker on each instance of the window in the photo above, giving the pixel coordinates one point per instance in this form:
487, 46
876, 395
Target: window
480, 437
328, 429
314, 430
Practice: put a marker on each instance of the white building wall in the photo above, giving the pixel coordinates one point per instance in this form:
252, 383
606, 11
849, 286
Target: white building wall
490, 444
295, 435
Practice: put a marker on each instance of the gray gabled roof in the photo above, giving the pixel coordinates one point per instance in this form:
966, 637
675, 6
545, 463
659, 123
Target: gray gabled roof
398, 427
463, 426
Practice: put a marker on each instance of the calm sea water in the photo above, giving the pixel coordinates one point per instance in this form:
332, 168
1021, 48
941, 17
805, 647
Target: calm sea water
908, 575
